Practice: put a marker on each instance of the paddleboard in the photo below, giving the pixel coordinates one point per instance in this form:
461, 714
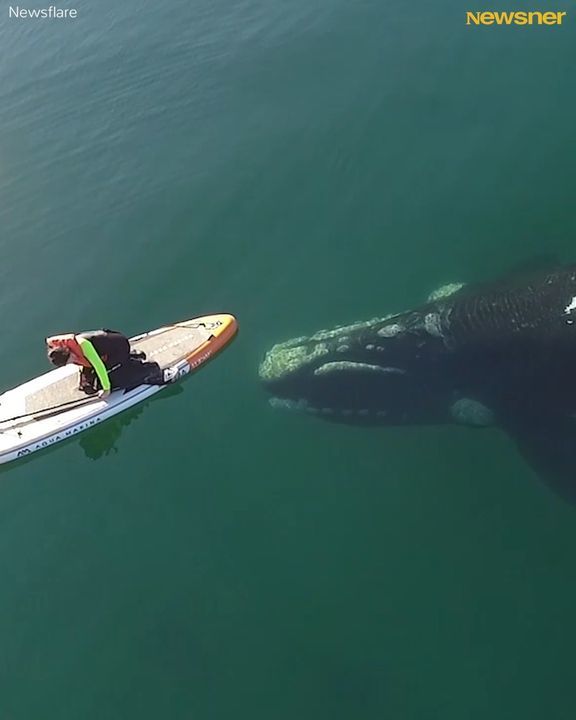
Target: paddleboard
51, 408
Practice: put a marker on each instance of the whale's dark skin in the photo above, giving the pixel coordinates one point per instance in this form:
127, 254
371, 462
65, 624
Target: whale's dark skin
501, 353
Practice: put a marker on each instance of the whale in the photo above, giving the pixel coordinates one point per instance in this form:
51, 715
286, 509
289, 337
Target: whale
500, 354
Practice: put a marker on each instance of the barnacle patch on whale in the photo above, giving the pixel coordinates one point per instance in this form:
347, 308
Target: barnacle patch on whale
389, 331
286, 357
467, 411
433, 325
342, 331
347, 366
445, 291
571, 306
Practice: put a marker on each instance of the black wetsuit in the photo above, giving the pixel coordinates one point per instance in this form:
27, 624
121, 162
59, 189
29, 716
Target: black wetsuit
126, 368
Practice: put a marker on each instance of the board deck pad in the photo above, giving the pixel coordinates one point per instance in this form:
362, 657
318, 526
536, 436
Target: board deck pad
166, 346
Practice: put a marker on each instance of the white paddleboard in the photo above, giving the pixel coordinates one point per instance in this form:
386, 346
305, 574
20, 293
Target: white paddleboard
50, 408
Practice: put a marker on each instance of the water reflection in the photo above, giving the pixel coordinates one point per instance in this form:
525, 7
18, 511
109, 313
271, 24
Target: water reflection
103, 439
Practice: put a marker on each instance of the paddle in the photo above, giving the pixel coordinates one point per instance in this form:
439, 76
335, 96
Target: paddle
54, 410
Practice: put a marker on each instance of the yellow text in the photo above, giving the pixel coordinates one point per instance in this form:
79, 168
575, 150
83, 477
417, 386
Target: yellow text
515, 18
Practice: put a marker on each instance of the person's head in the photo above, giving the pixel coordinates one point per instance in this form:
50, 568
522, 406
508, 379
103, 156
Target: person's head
58, 356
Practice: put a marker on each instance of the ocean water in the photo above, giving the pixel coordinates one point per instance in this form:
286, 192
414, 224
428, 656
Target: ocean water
299, 165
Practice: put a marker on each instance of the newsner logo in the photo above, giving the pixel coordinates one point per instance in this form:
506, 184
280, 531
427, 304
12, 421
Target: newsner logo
515, 18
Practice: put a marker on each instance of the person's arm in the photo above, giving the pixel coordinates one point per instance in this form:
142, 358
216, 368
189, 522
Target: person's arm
94, 359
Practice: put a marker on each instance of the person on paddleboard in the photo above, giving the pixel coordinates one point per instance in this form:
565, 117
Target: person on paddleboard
106, 360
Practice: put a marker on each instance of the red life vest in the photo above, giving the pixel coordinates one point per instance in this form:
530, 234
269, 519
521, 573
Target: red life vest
69, 342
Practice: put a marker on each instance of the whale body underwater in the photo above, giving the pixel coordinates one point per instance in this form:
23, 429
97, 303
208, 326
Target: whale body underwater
499, 353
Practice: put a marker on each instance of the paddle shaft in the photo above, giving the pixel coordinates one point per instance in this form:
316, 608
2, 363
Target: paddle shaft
55, 409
